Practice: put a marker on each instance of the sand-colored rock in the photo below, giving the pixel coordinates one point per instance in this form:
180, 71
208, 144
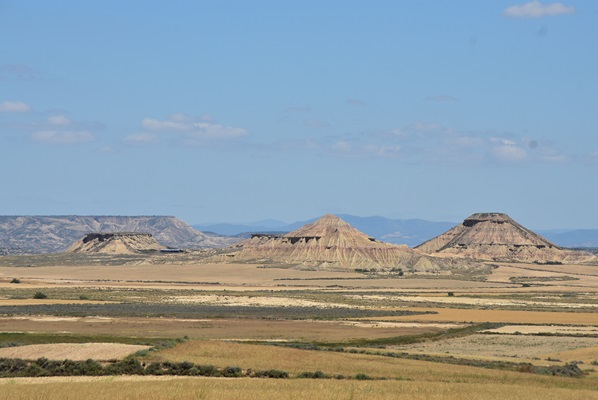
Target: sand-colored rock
332, 242
116, 243
496, 236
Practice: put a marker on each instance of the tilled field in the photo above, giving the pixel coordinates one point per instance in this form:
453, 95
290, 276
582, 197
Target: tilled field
199, 311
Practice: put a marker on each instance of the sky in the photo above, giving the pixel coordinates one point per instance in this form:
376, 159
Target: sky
238, 111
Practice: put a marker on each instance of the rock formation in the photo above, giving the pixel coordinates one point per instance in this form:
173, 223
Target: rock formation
54, 234
332, 242
495, 236
116, 243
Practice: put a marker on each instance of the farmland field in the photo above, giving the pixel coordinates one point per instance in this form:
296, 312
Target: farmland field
417, 337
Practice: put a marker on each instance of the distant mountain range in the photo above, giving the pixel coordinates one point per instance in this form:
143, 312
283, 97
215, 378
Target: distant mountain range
51, 234
411, 232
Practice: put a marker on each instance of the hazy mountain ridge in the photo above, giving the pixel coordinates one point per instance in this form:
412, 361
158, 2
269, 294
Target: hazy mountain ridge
411, 232
50, 234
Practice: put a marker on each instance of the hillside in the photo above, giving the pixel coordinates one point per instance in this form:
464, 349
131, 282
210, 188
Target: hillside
397, 231
496, 236
332, 242
51, 234
116, 243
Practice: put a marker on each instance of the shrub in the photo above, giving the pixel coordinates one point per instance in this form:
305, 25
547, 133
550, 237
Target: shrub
15, 280
451, 294
272, 373
233, 372
363, 377
313, 375
40, 295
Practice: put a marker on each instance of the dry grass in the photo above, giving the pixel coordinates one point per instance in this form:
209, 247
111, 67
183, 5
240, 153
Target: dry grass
505, 347
257, 329
296, 361
266, 389
503, 316
72, 351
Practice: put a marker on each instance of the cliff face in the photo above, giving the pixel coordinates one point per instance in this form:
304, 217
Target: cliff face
496, 236
116, 243
331, 242
52, 234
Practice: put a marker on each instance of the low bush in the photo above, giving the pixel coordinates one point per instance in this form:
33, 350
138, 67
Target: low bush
40, 295
272, 373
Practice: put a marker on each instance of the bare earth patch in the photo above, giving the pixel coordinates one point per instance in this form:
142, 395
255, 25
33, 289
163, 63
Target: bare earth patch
550, 329
72, 351
474, 301
502, 346
249, 301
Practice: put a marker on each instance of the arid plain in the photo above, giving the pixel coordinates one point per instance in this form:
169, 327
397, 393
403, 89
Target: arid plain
196, 328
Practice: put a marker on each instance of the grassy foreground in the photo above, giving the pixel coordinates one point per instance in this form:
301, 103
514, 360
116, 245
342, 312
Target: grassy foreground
264, 389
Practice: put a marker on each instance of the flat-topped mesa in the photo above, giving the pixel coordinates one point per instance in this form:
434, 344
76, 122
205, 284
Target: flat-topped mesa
116, 243
496, 236
332, 242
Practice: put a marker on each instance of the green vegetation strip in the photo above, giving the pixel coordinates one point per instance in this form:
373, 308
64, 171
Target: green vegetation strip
357, 347
14, 367
12, 339
451, 333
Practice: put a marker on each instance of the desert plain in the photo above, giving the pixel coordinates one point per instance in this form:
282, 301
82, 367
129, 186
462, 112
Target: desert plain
336, 334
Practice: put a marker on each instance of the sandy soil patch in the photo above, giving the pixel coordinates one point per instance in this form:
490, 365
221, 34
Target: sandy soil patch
501, 346
72, 351
473, 301
218, 276
29, 302
250, 301
552, 329
506, 316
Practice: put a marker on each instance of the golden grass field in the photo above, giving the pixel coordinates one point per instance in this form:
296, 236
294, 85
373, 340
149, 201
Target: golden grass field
558, 300
266, 389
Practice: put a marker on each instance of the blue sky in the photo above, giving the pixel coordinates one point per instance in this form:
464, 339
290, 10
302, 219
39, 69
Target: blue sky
236, 111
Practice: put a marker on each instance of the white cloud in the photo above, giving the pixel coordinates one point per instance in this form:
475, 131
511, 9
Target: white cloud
510, 153
14, 107
502, 141
142, 138
342, 146
536, 9
59, 120
62, 137
194, 129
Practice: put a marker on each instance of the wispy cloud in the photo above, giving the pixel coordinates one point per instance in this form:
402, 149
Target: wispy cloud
434, 144
62, 137
14, 107
142, 138
49, 128
355, 102
192, 130
536, 9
